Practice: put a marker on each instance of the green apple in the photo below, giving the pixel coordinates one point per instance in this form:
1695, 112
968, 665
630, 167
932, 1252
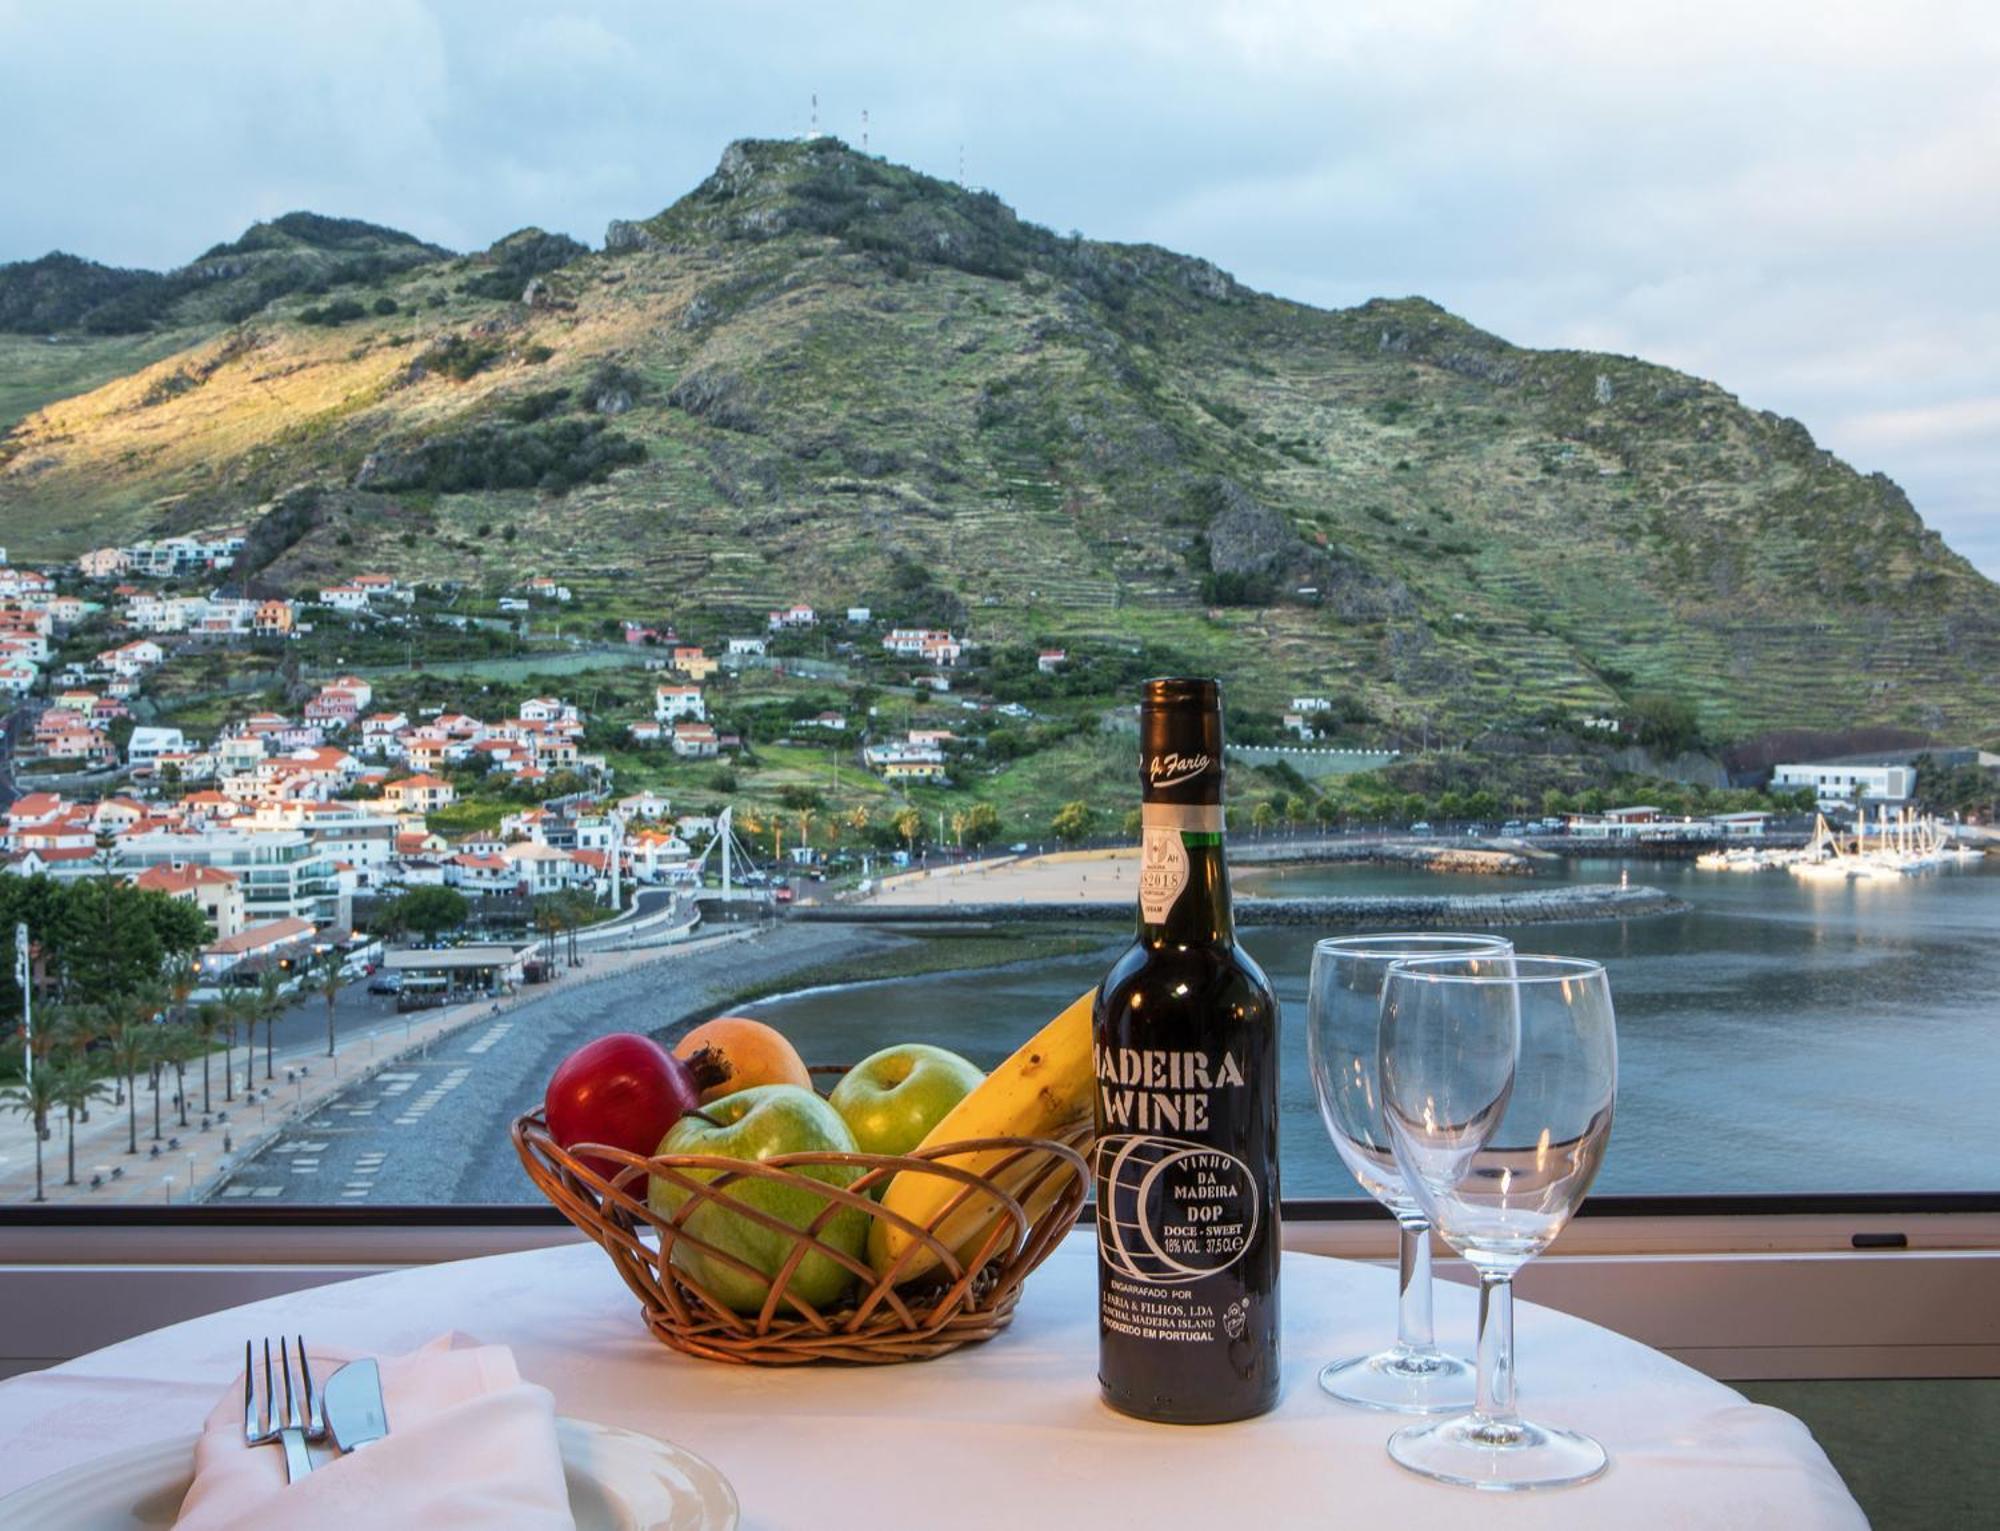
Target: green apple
892, 1099
761, 1123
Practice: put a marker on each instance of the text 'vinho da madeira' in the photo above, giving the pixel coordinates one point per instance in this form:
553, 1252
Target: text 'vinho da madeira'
1185, 1038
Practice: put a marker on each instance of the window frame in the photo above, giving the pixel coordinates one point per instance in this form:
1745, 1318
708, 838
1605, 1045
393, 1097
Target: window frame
1742, 1287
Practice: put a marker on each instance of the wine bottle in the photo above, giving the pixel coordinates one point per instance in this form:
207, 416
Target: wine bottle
1185, 1047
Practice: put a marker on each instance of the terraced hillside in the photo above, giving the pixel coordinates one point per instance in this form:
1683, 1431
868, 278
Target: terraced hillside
820, 375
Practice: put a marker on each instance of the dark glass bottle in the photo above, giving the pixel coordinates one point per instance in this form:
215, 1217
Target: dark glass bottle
1185, 1038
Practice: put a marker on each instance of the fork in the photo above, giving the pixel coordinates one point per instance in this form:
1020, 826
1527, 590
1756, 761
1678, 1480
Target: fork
304, 1417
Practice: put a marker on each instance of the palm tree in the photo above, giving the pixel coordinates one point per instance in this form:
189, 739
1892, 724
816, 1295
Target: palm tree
179, 979
328, 982
75, 1085
270, 1005
207, 1022
32, 1098
129, 1051
159, 1053
239, 1008
183, 1047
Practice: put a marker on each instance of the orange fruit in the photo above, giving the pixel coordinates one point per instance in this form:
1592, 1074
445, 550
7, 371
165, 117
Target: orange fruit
733, 1052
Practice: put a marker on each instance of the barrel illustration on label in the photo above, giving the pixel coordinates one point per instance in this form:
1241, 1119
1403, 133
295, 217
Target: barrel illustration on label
1185, 1051
1173, 1212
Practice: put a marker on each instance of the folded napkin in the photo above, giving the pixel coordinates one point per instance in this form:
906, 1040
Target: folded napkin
469, 1445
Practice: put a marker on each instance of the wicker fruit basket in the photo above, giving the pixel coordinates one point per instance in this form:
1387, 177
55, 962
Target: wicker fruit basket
1036, 1191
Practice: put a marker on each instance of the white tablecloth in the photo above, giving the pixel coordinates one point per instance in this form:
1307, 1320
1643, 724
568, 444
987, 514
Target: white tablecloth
1009, 1435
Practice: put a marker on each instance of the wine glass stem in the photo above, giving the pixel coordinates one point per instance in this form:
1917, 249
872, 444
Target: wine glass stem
1413, 1267
1495, 1398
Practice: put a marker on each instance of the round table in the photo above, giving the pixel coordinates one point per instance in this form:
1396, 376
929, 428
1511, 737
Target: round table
1008, 1435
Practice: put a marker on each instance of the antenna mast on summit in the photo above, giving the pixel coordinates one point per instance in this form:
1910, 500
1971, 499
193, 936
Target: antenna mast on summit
813, 130
864, 130
961, 164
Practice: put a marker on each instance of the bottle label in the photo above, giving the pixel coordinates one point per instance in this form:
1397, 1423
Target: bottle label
1167, 769
1163, 859
1163, 871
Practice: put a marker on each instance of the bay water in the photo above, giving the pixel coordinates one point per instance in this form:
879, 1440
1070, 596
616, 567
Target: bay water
1782, 1037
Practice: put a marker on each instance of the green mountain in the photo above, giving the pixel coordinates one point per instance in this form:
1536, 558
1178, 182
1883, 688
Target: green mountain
822, 376
298, 252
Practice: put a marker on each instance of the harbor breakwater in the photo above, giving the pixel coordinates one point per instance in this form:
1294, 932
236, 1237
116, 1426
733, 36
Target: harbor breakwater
1418, 855
1572, 901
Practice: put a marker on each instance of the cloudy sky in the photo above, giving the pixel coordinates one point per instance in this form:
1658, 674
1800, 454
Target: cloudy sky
1799, 200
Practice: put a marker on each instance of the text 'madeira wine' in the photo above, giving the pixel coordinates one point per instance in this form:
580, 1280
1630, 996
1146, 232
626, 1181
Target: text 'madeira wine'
1185, 1044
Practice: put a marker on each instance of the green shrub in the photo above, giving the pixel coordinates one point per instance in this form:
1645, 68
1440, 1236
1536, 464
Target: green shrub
459, 358
339, 311
550, 454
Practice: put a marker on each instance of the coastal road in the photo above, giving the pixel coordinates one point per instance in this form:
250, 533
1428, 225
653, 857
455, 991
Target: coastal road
432, 1129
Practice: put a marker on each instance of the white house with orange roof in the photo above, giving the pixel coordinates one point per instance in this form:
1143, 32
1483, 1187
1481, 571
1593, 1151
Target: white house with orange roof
210, 807
18, 674
18, 583
655, 855
24, 642
548, 709
643, 805
103, 563
217, 893
527, 824
481, 872
361, 690
673, 702
380, 731
347, 598
696, 741
30, 810
115, 815
542, 588
424, 749
383, 587
132, 659
331, 708
420, 794
553, 752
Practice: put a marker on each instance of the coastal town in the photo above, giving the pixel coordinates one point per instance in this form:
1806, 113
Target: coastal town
490, 804
279, 823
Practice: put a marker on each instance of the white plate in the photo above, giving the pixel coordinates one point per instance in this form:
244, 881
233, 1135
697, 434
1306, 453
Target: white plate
618, 1480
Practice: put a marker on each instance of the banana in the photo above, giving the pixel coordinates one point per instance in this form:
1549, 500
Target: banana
1043, 1091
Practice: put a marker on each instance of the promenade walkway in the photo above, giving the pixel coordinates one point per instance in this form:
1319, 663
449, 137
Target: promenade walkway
303, 1077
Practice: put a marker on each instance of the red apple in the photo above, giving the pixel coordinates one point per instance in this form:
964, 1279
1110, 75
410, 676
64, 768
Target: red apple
624, 1091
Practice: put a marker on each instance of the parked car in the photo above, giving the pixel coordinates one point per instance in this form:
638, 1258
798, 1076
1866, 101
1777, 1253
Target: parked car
1421, 827
1513, 827
386, 982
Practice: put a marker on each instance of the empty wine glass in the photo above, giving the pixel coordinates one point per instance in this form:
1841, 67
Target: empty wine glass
1498, 1077
1343, 1049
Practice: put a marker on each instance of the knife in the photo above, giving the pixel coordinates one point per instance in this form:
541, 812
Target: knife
354, 1411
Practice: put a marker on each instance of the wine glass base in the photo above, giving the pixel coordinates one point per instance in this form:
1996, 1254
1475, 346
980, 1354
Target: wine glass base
1481, 1453
1402, 1381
